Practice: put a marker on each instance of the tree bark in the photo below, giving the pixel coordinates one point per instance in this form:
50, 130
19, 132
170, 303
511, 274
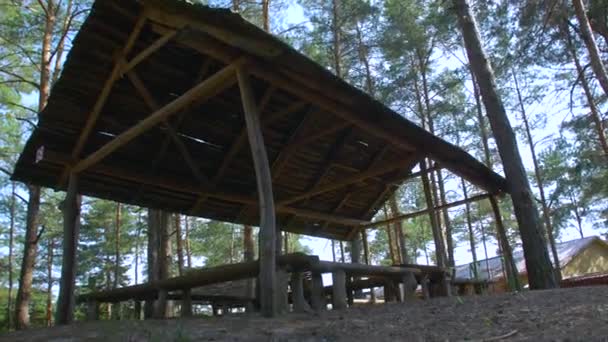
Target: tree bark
266, 14
188, 249
117, 246
440, 256
470, 229
24, 293
22, 317
511, 269
335, 27
539, 182
152, 255
11, 240
179, 244
49, 284
594, 54
595, 113
539, 268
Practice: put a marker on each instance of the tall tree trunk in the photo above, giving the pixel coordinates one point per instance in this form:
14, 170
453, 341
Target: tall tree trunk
49, 283
512, 274
22, 317
337, 37
594, 54
440, 255
333, 250
266, 14
11, 240
236, 6
342, 252
188, 248
389, 234
24, 293
470, 229
397, 229
179, 244
539, 268
153, 249
595, 114
137, 252
539, 182
117, 246
446, 220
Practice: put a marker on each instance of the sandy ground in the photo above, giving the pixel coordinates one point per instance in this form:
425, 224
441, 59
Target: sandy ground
579, 314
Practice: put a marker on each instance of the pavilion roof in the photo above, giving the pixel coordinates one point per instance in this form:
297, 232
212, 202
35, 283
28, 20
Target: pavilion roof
336, 154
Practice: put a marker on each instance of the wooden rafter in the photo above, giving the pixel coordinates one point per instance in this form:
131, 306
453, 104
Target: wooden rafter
154, 106
203, 72
159, 43
340, 104
241, 140
374, 163
384, 169
180, 186
103, 96
205, 90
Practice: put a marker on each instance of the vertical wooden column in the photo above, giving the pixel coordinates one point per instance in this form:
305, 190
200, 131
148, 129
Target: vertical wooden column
339, 290
267, 235
186, 310
317, 292
297, 293
92, 310
71, 230
282, 299
424, 284
137, 309
409, 286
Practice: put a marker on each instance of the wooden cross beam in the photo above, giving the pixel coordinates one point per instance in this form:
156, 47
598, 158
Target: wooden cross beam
164, 39
215, 84
154, 106
374, 163
426, 211
384, 169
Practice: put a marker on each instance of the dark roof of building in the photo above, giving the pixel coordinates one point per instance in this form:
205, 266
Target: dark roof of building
492, 268
336, 153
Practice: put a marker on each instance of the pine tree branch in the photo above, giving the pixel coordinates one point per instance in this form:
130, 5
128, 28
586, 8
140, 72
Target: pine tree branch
20, 78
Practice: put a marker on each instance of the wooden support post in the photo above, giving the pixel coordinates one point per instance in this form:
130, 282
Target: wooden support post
160, 306
71, 230
92, 310
409, 286
445, 284
186, 310
282, 299
266, 201
137, 309
339, 290
424, 284
297, 293
317, 292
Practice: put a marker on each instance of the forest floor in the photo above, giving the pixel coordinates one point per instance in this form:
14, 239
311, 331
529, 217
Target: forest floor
579, 314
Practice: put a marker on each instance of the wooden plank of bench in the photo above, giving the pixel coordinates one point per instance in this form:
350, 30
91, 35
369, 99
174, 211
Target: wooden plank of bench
197, 278
364, 270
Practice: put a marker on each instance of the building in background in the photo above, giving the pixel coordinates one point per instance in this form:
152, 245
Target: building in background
582, 261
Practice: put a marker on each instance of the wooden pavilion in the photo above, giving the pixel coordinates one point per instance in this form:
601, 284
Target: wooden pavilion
191, 109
